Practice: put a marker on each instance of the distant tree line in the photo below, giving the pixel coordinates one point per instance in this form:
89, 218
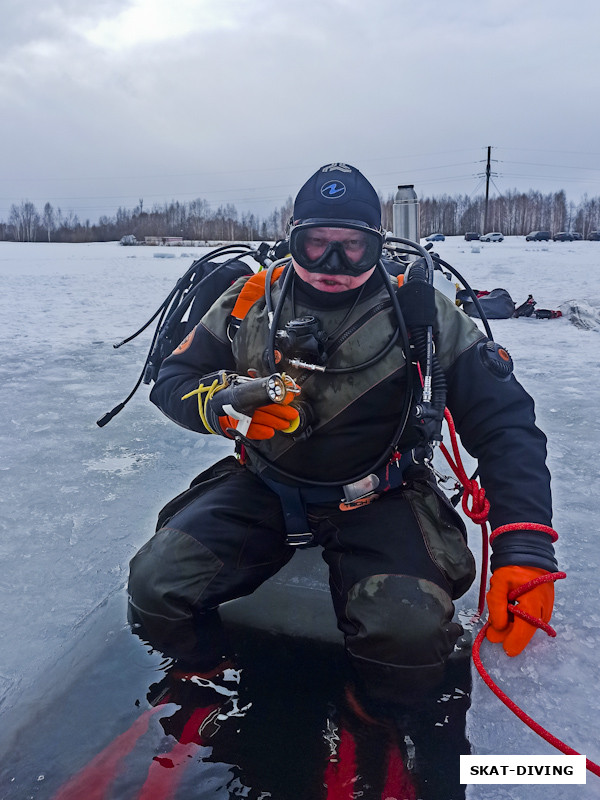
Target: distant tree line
193, 220
515, 213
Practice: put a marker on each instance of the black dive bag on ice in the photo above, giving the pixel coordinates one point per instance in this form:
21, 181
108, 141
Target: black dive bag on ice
497, 304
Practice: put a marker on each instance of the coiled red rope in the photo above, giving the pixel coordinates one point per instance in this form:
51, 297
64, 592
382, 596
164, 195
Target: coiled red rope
478, 512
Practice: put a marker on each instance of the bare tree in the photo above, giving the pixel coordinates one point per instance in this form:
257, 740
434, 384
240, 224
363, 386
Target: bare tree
14, 222
49, 219
25, 221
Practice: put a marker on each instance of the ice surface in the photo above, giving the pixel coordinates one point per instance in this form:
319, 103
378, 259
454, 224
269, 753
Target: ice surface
78, 501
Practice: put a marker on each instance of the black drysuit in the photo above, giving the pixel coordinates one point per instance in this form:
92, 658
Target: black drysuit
396, 564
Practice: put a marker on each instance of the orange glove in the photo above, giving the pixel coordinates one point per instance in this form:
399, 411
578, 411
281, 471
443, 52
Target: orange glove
266, 420
505, 627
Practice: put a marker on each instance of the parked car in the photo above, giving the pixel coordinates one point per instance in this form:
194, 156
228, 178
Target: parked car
495, 236
594, 236
471, 236
436, 237
538, 236
562, 236
577, 237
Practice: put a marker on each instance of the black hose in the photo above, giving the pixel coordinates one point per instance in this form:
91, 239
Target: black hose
433, 412
183, 282
430, 412
288, 276
106, 418
176, 296
412, 250
474, 297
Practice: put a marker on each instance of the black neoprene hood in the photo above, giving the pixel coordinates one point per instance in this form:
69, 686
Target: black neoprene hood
338, 192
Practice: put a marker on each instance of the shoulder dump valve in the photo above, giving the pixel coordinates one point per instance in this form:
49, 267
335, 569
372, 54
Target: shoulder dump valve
496, 359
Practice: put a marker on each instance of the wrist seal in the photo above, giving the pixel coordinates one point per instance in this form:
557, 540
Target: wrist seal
523, 548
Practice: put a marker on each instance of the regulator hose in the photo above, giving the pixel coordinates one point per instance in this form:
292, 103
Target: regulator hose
429, 416
429, 413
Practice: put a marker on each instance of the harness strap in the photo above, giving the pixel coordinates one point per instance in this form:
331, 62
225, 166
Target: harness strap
253, 290
295, 499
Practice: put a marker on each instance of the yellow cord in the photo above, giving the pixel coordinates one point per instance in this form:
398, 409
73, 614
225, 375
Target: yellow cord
204, 394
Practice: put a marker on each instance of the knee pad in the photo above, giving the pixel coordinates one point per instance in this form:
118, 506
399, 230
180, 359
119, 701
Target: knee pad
168, 578
401, 621
171, 573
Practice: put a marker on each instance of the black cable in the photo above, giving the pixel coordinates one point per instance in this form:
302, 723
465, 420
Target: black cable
268, 289
465, 283
287, 275
410, 250
474, 297
423, 252
167, 308
106, 418
184, 280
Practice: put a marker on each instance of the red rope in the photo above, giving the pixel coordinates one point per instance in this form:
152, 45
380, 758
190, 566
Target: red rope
479, 509
479, 513
591, 766
524, 526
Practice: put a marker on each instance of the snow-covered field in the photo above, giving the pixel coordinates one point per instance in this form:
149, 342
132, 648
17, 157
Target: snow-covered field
78, 501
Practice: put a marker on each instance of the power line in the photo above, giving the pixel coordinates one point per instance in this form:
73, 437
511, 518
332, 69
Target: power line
538, 150
548, 178
559, 166
273, 193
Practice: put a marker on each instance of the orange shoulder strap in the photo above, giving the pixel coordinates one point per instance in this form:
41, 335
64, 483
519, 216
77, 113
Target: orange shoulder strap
253, 290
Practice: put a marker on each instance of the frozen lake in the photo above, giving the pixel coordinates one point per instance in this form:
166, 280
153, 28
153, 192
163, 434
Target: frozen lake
78, 501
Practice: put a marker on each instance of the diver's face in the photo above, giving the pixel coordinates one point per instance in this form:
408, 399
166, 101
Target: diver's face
332, 283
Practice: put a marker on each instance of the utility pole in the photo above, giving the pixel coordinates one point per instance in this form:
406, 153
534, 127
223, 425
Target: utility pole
488, 177
488, 172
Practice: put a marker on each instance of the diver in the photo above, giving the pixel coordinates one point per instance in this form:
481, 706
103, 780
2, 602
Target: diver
313, 367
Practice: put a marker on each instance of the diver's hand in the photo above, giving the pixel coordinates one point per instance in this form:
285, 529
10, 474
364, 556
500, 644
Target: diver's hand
254, 407
504, 626
264, 421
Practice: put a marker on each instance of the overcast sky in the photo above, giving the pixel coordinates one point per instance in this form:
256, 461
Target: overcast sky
241, 100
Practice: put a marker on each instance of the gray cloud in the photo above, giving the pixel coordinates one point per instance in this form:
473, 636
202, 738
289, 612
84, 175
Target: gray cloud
240, 101
24, 23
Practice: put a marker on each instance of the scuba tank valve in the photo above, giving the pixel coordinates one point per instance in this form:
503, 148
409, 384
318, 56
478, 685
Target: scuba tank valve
405, 213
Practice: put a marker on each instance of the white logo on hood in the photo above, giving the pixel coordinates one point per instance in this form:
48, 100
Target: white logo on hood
337, 167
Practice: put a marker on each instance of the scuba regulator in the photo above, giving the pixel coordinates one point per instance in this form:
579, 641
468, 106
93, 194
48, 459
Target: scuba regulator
301, 343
